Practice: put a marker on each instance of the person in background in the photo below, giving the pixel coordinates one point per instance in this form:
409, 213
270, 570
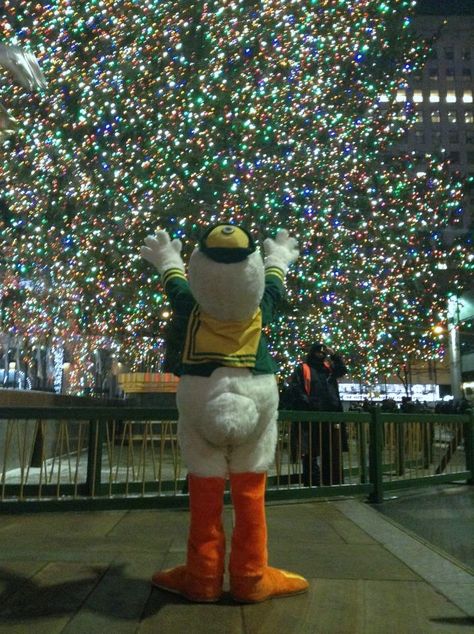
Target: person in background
314, 387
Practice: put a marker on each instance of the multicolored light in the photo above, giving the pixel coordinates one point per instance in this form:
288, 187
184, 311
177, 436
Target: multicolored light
178, 114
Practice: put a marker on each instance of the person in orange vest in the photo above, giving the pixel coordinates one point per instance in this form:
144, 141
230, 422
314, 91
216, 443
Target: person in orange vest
314, 387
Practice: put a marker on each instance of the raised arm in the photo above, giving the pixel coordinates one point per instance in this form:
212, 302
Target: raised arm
280, 253
165, 255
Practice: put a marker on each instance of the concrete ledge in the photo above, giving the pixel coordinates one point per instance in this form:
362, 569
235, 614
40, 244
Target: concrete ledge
451, 578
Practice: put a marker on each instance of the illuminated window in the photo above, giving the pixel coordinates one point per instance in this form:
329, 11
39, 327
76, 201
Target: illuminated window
434, 96
451, 97
418, 118
417, 96
435, 117
383, 98
469, 116
452, 116
401, 95
467, 96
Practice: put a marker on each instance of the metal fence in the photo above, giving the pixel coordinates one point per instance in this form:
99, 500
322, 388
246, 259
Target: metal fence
120, 457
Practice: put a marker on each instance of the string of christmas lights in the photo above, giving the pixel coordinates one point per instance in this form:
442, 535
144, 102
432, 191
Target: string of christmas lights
177, 114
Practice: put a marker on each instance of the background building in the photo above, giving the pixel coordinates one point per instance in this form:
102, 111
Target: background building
443, 96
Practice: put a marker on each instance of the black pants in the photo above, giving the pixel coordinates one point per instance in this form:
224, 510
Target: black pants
322, 456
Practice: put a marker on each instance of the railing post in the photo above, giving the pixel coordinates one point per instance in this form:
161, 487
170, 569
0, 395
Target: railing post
94, 457
469, 448
427, 433
376, 457
362, 453
401, 432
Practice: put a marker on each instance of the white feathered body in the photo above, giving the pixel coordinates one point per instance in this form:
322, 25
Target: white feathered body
227, 421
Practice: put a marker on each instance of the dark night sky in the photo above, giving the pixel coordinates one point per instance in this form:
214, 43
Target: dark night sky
446, 7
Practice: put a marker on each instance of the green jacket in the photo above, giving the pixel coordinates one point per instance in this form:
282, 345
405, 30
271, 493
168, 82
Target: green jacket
183, 304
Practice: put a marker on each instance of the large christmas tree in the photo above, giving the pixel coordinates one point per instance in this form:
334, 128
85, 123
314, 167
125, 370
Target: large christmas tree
175, 114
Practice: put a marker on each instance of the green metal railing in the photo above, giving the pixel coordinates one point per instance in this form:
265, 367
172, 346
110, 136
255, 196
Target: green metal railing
123, 457
411, 450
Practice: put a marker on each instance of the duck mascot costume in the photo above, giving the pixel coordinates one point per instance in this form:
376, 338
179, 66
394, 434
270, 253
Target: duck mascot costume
227, 401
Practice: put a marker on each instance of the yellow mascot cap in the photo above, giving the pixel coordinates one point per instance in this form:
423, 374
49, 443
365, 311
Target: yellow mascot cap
227, 243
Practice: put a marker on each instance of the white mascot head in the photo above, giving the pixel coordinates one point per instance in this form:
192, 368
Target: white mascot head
226, 273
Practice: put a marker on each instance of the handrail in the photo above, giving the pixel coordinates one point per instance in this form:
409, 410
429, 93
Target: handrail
382, 453
395, 417
88, 413
171, 413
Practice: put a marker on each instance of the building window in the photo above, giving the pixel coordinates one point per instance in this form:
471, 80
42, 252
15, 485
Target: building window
417, 96
434, 96
452, 116
470, 158
419, 136
455, 157
466, 73
453, 136
466, 54
451, 96
433, 73
467, 96
435, 116
448, 52
470, 138
418, 117
450, 74
436, 138
469, 116
401, 95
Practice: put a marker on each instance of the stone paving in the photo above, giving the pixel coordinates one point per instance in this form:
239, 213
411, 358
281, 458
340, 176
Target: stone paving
89, 572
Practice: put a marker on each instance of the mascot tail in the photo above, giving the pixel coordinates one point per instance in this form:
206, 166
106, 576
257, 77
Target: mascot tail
230, 419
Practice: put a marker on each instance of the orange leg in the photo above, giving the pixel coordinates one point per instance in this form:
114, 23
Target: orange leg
251, 579
202, 577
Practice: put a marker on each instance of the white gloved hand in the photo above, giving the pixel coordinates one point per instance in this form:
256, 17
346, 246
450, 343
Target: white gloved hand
280, 252
162, 252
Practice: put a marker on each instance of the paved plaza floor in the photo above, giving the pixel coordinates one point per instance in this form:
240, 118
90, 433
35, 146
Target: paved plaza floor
88, 572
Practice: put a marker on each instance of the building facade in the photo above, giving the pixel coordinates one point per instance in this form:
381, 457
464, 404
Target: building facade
443, 96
